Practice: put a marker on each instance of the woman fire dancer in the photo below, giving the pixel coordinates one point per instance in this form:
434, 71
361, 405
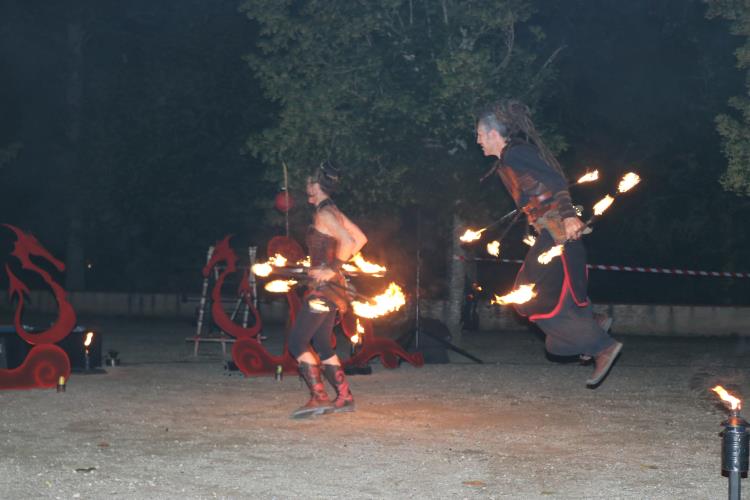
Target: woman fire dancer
539, 188
332, 239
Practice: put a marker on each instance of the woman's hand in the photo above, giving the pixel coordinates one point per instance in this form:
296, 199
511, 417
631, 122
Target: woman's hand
573, 227
322, 274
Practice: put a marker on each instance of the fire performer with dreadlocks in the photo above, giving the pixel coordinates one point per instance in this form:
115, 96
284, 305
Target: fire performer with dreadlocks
539, 188
332, 239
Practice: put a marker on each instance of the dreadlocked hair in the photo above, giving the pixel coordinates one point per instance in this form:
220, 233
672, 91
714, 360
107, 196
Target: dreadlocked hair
514, 119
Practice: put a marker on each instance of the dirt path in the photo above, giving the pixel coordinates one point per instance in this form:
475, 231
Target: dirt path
165, 425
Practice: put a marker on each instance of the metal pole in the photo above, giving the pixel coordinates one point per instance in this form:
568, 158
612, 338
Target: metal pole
734, 485
202, 306
419, 268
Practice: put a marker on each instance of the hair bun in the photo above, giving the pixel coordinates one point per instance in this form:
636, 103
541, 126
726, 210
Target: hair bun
328, 176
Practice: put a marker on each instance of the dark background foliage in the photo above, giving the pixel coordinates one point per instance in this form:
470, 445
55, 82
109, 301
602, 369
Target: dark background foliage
133, 136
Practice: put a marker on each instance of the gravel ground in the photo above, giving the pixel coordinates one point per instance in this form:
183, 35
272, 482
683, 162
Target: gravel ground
168, 425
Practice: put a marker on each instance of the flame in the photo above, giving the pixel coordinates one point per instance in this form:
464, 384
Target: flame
89, 338
277, 260
530, 240
471, 235
349, 268
493, 248
628, 181
603, 205
305, 262
279, 286
523, 293
262, 269
389, 301
357, 337
546, 257
367, 267
588, 177
318, 305
734, 403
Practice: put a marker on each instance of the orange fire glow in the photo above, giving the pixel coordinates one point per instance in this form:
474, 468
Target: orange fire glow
628, 181
318, 305
471, 235
89, 338
603, 205
734, 403
262, 269
277, 260
546, 257
387, 302
367, 267
279, 286
357, 337
529, 240
304, 262
493, 248
588, 177
520, 295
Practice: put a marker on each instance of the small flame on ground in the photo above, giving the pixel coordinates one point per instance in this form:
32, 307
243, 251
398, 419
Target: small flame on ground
367, 267
529, 240
318, 305
546, 257
588, 177
522, 294
603, 205
279, 286
628, 181
262, 269
389, 301
734, 403
89, 338
493, 248
277, 260
471, 235
305, 262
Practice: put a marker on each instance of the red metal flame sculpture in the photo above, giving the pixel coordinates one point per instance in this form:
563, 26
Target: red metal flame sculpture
224, 253
46, 362
388, 349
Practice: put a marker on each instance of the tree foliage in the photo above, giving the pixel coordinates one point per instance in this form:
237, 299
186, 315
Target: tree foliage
389, 89
735, 129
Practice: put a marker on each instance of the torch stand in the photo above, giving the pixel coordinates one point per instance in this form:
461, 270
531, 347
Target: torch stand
734, 452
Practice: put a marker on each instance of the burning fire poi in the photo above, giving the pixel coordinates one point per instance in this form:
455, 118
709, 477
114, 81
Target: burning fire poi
603, 205
262, 269
628, 181
389, 301
734, 403
279, 286
493, 248
529, 239
471, 235
318, 305
588, 177
367, 267
520, 295
546, 257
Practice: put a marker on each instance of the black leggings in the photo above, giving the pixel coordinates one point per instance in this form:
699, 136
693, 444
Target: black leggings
312, 326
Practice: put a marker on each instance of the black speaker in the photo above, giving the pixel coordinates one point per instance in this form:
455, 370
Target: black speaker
15, 349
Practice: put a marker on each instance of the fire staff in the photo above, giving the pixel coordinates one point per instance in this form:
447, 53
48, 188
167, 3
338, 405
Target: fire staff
535, 181
332, 239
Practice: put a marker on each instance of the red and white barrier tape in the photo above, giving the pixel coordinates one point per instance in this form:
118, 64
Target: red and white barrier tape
636, 269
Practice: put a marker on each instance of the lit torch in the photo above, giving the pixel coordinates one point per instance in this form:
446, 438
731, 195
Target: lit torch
387, 302
318, 305
734, 443
629, 180
357, 338
520, 295
262, 269
529, 239
86, 344
277, 260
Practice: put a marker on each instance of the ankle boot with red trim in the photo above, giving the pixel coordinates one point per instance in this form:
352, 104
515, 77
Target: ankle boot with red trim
344, 400
319, 402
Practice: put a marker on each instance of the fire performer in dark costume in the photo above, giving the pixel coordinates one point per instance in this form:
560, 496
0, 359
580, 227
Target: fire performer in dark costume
539, 188
332, 239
